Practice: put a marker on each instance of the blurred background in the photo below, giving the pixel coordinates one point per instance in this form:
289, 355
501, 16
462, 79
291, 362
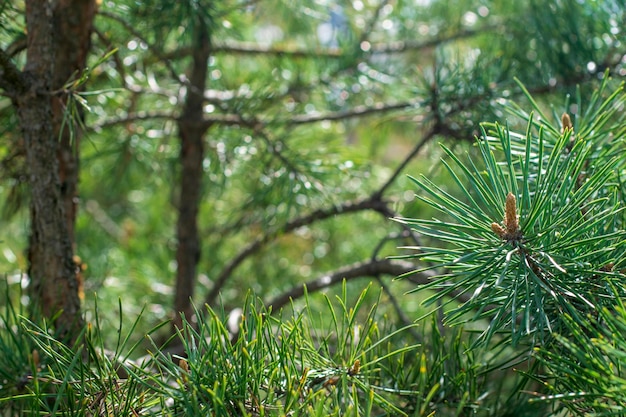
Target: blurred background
255, 146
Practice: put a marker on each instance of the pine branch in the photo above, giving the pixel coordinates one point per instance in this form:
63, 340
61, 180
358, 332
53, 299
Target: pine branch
397, 47
349, 207
373, 202
157, 53
427, 137
369, 27
412, 45
135, 117
256, 124
404, 319
251, 48
357, 111
221, 119
371, 268
119, 63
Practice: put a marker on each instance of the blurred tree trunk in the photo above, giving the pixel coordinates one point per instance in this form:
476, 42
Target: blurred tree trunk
52, 28
191, 130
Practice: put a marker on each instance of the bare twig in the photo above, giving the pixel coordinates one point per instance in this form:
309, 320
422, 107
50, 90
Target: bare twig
155, 51
249, 48
119, 64
425, 139
392, 236
369, 27
371, 268
411, 45
135, 117
209, 120
256, 245
357, 111
406, 321
397, 47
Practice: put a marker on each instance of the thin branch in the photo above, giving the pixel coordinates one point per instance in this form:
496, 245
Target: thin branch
211, 119
275, 146
251, 48
119, 64
369, 27
135, 117
157, 53
411, 45
406, 321
321, 214
392, 236
371, 268
301, 119
416, 150
357, 111
397, 47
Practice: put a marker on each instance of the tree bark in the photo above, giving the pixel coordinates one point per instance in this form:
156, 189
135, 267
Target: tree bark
54, 289
191, 131
72, 26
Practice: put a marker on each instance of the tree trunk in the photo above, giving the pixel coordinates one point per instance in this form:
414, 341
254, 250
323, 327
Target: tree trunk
72, 26
52, 272
191, 131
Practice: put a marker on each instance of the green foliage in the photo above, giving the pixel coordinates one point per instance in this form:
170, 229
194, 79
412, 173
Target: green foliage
585, 371
16, 360
301, 127
559, 194
276, 365
535, 238
342, 359
444, 66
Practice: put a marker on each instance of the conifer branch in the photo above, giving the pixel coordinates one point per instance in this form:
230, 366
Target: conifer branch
371, 268
358, 111
396, 47
317, 215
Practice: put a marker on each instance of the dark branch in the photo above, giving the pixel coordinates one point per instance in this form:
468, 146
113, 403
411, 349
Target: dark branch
209, 120
406, 161
404, 319
119, 63
357, 111
135, 117
250, 48
369, 27
372, 268
405, 46
155, 51
301, 119
321, 214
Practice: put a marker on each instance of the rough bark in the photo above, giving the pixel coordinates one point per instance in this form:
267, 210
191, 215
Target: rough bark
191, 131
72, 25
51, 270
